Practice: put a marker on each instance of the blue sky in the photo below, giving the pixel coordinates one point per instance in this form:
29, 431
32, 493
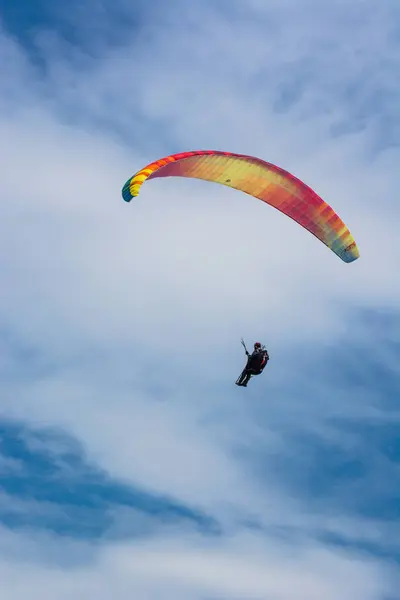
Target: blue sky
128, 458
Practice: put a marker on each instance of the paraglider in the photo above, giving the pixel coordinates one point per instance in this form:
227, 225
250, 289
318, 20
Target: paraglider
260, 179
256, 363
267, 182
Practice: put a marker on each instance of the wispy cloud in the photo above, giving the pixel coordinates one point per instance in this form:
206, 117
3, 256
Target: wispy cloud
47, 484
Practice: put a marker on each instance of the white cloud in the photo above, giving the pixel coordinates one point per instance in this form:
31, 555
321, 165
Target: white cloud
243, 567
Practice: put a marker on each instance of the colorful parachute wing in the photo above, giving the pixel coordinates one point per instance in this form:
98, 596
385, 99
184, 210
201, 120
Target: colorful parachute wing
261, 179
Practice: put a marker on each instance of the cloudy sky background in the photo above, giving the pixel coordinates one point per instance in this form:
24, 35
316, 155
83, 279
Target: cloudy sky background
130, 464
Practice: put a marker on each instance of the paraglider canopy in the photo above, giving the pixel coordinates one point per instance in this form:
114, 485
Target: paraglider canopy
261, 179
